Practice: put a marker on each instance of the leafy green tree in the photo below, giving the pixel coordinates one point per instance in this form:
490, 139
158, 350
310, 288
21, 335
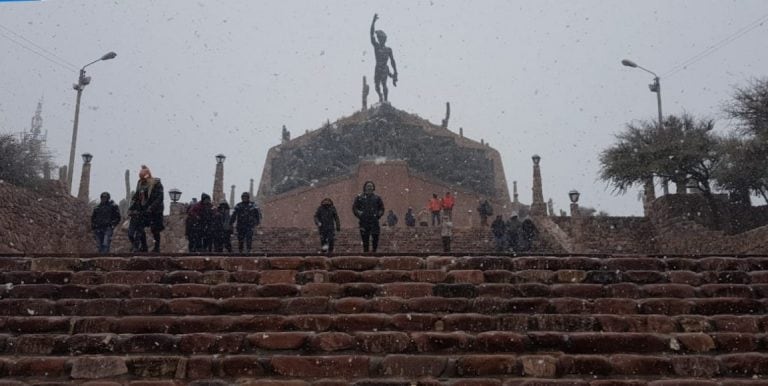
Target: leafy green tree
684, 150
745, 167
750, 108
21, 162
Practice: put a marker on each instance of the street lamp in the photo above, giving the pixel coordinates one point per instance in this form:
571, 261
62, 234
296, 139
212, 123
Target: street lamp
82, 81
220, 158
574, 196
654, 87
87, 157
650, 193
175, 195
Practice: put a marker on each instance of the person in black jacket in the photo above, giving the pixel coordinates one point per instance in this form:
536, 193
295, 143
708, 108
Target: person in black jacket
105, 217
247, 215
368, 208
327, 221
146, 210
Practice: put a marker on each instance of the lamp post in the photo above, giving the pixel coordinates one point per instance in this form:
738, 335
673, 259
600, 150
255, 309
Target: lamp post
649, 191
175, 195
574, 196
654, 87
82, 81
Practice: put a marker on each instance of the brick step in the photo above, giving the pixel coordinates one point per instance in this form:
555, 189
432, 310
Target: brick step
401, 369
383, 342
738, 267
190, 304
372, 322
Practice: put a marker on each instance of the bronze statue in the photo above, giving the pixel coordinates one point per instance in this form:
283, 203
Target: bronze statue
383, 54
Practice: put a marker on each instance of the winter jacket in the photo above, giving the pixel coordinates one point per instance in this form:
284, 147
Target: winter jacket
147, 203
247, 215
368, 209
327, 219
448, 202
499, 227
410, 220
105, 215
435, 205
199, 219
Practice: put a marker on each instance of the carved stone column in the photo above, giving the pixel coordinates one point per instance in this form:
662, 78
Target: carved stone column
538, 206
232, 197
85, 178
649, 194
218, 180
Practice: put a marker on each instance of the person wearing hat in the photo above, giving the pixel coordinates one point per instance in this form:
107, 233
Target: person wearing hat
247, 215
327, 221
198, 226
222, 231
105, 217
146, 210
368, 208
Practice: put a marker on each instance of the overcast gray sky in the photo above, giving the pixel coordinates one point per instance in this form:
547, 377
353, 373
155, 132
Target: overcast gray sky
197, 78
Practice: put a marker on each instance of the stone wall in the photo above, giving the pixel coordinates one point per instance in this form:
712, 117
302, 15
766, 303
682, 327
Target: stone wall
395, 182
720, 214
43, 220
609, 234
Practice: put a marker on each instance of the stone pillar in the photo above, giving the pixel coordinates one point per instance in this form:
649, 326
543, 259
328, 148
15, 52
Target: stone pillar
461, 132
46, 171
232, 197
218, 180
665, 186
250, 190
63, 173
514, 193
551, 207
366, 89
575, 209
680, 187
85, 178
649, 194
127, 185
538, 207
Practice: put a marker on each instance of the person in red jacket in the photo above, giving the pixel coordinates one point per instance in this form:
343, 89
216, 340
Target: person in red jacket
448, 202
435, 206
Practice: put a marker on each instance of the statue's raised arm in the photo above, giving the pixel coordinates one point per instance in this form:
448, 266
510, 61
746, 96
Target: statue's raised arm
373, 28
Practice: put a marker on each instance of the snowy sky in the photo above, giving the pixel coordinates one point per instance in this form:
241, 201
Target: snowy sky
196, 78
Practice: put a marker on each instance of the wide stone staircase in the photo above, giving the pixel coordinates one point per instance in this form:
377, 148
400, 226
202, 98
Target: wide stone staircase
593, 320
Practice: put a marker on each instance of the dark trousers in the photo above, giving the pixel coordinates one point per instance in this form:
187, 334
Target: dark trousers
137, 237
369, 234
327, 238
222, 242
446, 243
244, 236
435, 217
103, 237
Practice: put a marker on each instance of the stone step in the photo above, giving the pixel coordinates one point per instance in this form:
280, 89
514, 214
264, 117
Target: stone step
373, 322
336, 288
361, 263
383, 342
499, 369
399, 369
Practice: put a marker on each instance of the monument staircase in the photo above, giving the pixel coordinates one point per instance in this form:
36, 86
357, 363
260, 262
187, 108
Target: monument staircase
307, 319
